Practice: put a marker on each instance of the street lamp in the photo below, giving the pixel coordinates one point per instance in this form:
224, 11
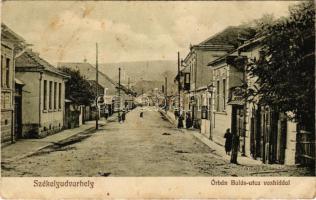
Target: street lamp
211, 90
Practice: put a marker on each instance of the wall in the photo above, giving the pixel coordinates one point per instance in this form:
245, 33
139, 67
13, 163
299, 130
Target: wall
235, 77
6, 126
30, 102
52, 120
222, 121
290, 143
204, 72
6, 93
222, 113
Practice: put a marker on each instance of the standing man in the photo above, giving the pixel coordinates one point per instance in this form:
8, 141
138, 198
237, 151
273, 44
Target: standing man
228, 141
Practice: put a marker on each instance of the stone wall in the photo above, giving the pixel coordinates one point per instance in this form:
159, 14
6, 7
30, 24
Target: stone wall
6, 125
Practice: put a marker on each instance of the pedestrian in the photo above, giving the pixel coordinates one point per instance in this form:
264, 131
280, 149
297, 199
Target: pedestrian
228, 142
188, 121
123, 116
235, 146
106, 113
180, 121
176, 114
141, 114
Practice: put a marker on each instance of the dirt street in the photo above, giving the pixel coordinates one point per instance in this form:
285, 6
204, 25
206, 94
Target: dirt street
148, 146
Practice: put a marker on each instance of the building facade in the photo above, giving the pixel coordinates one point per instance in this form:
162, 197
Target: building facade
43, 101
11, 46
226, 77
200, 76
264, 133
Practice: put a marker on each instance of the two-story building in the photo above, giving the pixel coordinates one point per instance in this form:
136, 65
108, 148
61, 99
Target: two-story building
265, 133
43, 95
11, 46
200, 76
226, 77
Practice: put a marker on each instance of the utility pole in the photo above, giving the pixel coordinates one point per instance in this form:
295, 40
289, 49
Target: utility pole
179, 84
97, 92
166, 93
119, 94
179, 99
128, 83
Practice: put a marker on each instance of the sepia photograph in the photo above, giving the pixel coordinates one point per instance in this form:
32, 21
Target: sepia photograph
157, 89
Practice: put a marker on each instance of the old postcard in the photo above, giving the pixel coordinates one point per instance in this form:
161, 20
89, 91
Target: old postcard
157, 99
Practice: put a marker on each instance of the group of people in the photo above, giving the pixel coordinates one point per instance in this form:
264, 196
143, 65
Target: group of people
231, 145
122, 117
188, 120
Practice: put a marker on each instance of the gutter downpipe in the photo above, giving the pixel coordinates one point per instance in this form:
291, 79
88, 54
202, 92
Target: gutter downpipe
13, 98
40, 102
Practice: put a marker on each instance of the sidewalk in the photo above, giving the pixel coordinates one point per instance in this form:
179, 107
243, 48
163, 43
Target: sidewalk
26, 147
218, 149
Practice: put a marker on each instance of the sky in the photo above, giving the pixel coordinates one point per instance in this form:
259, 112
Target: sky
67, 31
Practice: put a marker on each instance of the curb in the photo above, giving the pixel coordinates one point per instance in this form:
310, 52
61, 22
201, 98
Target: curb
43, 147
206, 141
167, 117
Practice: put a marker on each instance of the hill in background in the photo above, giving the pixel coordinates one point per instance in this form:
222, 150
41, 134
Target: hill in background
143, 75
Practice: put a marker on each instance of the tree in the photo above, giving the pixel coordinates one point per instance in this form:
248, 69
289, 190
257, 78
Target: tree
285, 70
78, 88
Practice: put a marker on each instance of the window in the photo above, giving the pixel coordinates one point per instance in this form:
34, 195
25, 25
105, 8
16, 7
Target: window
55, 95
187, 78
2, 72
45, 94
8, 72
224, 94
50, 94
2, 100
217, 97
59, 96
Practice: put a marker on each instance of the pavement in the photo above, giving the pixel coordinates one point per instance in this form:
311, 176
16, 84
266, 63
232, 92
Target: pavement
219, 149
26, 147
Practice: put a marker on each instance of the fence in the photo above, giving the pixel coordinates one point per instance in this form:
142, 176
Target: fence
306, 148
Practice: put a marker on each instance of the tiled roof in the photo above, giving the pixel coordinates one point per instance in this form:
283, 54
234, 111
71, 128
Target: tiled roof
9, 35
30, 59
229, 36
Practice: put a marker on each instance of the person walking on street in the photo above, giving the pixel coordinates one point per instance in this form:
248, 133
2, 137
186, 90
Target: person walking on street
176, 114
180, 121
228, 141
106, 113
188, 121
123, 116
235, 146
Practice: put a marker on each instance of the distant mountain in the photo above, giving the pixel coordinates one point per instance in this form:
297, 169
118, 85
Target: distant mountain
144, 75
145, 70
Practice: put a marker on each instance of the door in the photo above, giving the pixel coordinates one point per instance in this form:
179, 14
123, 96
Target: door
238, 124
18, 117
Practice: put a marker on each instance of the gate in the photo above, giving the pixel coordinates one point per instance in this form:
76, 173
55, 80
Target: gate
306, 148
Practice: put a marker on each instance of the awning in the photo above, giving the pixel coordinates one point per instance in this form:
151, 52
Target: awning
67, 101
236, 102
19, 82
